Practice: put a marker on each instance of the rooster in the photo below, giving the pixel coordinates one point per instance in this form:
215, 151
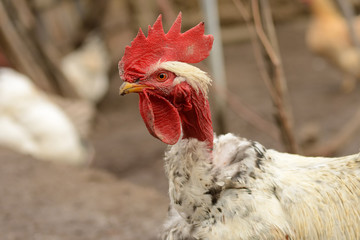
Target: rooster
228, 187
328, 36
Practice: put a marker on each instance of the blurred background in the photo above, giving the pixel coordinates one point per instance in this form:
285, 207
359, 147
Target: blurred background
76, 160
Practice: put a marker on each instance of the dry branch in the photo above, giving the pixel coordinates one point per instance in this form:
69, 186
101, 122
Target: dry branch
269, 42
247, 114
256, 47
343, 136
26, 52
327, 148
166, 8
273, 75
330, 147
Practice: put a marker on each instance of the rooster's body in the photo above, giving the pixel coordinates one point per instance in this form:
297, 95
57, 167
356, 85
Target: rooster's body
244, 191
229, 187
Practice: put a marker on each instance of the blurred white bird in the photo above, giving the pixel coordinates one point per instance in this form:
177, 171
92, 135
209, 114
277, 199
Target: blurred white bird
32, 124
87, 69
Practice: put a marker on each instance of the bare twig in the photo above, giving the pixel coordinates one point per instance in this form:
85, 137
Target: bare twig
18, 51
247, 114
242, 9
340, 138
276, 70
274, 84
256, 47
330, 147
275, 89
24, 50
167, 9
269, 48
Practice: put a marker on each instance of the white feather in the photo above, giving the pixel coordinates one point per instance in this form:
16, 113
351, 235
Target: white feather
243, 191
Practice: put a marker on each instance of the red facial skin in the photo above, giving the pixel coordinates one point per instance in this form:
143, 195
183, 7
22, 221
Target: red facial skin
169, 110
191, 46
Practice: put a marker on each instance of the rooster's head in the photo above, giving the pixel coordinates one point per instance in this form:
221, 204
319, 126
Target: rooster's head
173, 93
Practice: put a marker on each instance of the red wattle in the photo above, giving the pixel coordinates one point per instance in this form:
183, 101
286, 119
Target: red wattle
161, 117
194, 112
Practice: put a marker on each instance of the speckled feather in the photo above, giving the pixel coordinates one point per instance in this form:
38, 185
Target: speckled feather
243, 191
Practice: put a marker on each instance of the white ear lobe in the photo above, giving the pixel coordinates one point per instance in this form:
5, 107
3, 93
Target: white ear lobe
178, 80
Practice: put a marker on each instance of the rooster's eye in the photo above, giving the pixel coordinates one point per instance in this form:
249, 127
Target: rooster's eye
162, 76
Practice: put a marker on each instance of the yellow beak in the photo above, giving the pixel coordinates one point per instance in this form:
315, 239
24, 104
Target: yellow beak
126, 88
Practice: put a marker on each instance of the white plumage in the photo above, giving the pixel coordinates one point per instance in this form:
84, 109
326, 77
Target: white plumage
32, 124
244, 191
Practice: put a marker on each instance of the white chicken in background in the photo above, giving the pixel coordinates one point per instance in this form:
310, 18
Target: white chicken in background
30, 123
87, 69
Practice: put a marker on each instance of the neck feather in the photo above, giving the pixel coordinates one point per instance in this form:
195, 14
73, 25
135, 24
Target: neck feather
195, 77
197, 123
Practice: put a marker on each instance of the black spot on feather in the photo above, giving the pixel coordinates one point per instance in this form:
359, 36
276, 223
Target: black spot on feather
276, 193
187, 176
178, 202
258, 162
215, 194
238, 175
259, 153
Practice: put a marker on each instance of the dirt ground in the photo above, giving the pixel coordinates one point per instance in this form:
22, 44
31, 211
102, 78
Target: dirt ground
123, 193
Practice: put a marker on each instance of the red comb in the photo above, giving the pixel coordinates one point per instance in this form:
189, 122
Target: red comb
191, 46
